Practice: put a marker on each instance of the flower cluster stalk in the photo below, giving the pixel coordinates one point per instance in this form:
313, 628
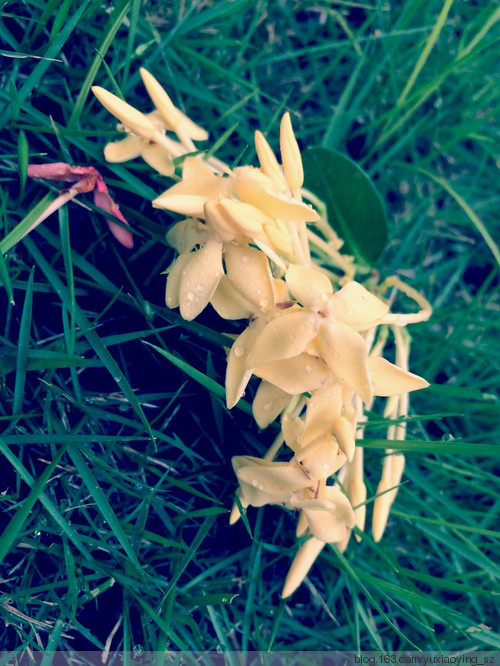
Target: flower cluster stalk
249, 247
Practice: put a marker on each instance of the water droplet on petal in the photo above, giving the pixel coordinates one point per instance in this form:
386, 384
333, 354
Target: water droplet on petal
201, 287
137, 650
239, 350
309, 367
246, 259
190, 296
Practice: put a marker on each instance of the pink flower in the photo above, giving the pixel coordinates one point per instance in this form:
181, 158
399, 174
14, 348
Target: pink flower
84, 179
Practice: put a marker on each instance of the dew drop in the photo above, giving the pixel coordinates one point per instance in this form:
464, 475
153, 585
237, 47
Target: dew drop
201, 287
309, 367
219, 649
239, 350
267, 406
264, 302
137, 650
139, 487
246, 259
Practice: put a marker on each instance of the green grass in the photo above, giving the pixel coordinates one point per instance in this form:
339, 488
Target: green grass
116, 480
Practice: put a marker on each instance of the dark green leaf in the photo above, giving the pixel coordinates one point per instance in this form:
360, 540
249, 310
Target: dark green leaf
355, 209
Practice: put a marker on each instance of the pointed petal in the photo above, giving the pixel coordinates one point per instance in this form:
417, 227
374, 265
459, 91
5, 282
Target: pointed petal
284, 337
302, 526
343, 508
158, 158
200, 280
308, 286
185, 235
322, 521
295, 375
124, 150
290, 154
103, 200
320, 458
278, 239
346, 354
268, 403
217, 221
229, 303
292, 427
160, 99
171, 115
175, 275
268, 162
248, 219
344, 434
249, 271
303, 561
357, 307
237, 373
278, 206
198, 185
324, 407
264, 482
389, 380
133, 119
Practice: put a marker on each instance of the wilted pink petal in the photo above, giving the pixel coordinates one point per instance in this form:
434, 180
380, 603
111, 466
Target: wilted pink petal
85, 179
105, 202
86, 176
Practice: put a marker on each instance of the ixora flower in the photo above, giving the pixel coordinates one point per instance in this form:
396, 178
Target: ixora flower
313, 337
84, 179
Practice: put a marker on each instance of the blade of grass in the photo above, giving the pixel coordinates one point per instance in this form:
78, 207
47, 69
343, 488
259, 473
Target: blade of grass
23, 346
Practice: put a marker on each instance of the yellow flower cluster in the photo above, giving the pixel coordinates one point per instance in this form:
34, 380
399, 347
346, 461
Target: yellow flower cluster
314, 338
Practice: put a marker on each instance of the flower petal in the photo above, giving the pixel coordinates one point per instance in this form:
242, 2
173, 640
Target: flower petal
133, 119
284, 337
322, 521
389, 380
185, 235
290, 154
265, 482
292, 427
248, 219
344, 434
278, 206
217, 221
268, 162
296, 375
158, 158
175, 274
237, 373
343, 508
124, 150
346, 355
308, 286
357, 307
320, 458
323, 408
268, 403
200, 279
303, 561
229, 303
249, 271
171, 115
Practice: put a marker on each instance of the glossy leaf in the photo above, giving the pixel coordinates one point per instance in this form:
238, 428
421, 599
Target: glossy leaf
355, 209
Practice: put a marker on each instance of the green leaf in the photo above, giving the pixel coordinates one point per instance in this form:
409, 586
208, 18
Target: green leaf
355, 209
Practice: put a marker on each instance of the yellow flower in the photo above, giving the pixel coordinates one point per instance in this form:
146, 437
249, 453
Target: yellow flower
154, 154
147, 138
